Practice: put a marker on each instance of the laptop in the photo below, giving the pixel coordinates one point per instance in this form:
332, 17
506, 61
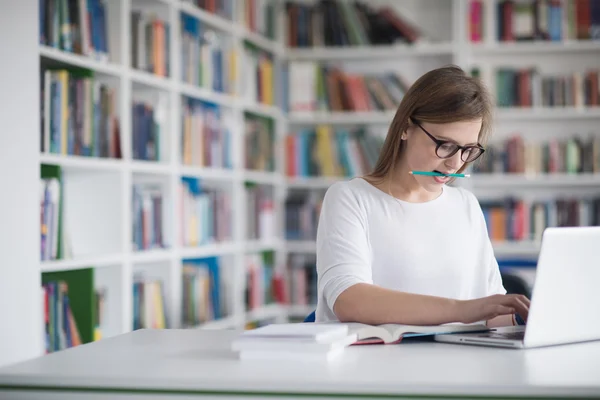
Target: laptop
565, 299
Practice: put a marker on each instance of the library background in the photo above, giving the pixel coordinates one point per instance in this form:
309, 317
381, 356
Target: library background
183, 148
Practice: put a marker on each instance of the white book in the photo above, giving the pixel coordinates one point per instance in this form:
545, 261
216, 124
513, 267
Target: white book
289, 355
291, 346
302, 78
318, 333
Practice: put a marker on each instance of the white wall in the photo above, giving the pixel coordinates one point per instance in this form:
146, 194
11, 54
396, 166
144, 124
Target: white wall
20, 299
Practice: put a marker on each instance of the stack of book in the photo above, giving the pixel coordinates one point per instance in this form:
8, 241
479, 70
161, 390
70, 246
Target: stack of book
294, 341
324, 341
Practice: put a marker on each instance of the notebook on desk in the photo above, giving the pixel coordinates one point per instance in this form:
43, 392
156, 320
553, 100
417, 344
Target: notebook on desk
327, 333
565, 300
395, 333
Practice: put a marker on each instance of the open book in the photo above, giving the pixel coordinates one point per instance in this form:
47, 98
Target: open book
394, 333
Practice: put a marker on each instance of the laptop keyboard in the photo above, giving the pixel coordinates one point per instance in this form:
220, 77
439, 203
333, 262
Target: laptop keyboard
519, 335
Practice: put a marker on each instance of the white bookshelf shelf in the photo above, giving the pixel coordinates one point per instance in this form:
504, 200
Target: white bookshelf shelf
261, 42
263, 177
266, 312
370, 52
537, 47
214, 174
516, 248
547, 113
151, 167
229, 322
82, 162
153, 255
535, 180
82, 262
342, 118
312, 182
526, 248
212, 20
479, 180
237, 321
151, 80
77, 60
206, 250
260, 245
269, 311
301, 246
201, 93
262, 109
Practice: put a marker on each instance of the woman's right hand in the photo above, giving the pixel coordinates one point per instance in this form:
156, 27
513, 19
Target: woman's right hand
486, 308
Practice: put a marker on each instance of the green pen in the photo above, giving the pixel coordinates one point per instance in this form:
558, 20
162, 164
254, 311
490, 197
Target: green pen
439, 174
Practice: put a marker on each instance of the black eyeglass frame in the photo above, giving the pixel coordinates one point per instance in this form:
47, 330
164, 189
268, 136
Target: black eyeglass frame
439, 143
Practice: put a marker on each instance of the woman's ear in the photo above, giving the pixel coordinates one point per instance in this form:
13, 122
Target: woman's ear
409, 126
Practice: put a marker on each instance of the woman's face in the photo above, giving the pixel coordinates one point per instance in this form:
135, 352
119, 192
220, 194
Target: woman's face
421, 154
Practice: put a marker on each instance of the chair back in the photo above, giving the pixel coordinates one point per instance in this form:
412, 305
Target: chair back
310, 317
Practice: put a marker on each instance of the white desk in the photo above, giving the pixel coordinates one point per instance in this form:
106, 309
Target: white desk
186, 364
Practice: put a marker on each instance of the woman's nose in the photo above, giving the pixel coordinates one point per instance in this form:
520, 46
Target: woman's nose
455, 161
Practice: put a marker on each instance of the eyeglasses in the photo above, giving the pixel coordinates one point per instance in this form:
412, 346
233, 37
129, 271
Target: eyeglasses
446, 149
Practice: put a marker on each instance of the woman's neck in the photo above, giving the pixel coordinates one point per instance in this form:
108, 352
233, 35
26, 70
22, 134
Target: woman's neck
403, 186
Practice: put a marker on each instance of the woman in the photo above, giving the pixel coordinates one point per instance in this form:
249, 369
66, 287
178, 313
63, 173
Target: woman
393, 247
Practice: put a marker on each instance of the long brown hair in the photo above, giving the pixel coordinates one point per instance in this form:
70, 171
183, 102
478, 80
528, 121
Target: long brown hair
442, 95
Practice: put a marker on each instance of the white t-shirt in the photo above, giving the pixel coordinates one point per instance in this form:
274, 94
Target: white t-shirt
440, 247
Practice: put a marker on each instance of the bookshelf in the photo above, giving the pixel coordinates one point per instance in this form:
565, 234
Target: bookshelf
106, 231
170, 192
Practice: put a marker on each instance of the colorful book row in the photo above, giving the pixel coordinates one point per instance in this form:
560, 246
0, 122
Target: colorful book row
147, 126
318, 87
573, 155
149, 304
258, 16
147, 217
344, 23
222, 8
301, 279
54, 238
544, 20
259, 143
61, 330
260, 286
205, 214
202, 291
528, 87
518, 219
206, 135
258, 75
76, 26
327, 152
50, 200
302, 211
208, 56
73, 309
79, 114
260, 212
150, 43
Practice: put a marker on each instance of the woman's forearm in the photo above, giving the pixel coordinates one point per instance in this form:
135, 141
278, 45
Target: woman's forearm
374, 305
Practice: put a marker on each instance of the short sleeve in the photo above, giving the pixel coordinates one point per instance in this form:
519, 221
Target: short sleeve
343, 250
